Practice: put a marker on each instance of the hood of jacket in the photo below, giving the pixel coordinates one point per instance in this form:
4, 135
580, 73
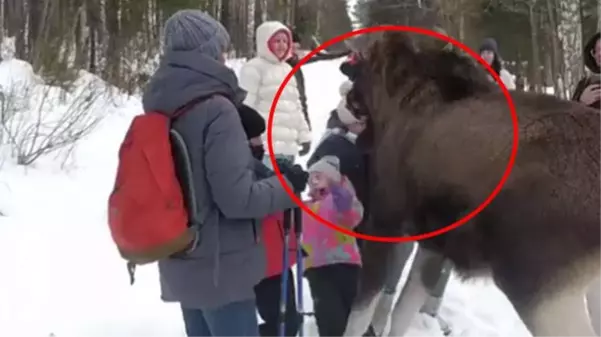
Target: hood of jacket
265, 32
183, 76
589, 60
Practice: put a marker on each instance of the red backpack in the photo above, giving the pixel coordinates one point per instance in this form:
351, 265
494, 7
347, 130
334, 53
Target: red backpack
153, 197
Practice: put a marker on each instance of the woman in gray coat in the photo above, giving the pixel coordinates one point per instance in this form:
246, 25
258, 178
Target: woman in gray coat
214, 283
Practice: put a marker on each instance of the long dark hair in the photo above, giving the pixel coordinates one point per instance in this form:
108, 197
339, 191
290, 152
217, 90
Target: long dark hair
496, 64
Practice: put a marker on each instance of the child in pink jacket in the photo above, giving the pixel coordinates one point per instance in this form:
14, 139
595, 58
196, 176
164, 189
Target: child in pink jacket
333, 262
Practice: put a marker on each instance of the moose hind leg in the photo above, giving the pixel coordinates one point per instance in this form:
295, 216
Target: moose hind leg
593, 301
561, 314
549, 306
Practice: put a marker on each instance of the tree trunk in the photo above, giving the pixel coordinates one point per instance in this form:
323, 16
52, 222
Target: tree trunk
535, 66
461, 13
520, 78
34, 31
259, 9
250, 28
569, 32
263, 10
17, 24
112, 67
93, 13
289, 10
598, 16
556, 57
225, 14
318, 19
2, 24
81, 35
292, 6
217, 5
158, 19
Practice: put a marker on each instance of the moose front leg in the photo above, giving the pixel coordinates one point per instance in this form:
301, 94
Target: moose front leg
375, 256
415, 291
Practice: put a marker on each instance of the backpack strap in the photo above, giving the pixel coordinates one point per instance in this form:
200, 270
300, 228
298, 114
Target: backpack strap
187, 175
185, 166
184, 108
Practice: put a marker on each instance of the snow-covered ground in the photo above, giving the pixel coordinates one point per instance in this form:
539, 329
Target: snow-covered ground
60, 274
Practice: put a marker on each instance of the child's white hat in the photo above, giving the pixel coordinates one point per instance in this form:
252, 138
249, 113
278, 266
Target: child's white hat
344, 114
328, 165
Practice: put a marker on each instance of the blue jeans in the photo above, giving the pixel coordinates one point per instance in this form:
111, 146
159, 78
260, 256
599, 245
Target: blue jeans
234, 319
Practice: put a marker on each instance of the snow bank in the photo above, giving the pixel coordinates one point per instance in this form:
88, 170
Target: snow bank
62, 275
36, 114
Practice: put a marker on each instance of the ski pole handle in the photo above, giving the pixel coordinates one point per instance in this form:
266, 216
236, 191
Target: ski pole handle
298, 221
287, 221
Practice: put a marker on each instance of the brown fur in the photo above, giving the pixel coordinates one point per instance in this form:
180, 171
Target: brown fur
441, 136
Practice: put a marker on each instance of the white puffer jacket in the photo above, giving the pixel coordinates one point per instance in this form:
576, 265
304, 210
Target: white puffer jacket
508, 79
261, 77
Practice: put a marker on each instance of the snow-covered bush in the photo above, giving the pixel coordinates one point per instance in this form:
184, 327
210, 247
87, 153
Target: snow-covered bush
38, 119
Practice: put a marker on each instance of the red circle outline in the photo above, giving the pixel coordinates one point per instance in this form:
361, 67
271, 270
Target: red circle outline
422, 31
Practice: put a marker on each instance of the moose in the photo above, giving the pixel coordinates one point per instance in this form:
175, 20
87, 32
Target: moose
439, 132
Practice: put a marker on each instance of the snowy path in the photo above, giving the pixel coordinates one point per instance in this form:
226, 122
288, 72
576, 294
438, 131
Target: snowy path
60, 273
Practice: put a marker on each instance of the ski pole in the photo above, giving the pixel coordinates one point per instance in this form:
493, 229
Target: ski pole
298, 231
284, 284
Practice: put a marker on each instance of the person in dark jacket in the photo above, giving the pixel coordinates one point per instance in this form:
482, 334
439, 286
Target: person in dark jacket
350, 68
588, 90
213, 284
267, 291
340, 142
489, 51
300, 78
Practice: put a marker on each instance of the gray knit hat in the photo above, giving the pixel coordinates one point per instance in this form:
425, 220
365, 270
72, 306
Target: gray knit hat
328, 165
489, 44
193, 29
